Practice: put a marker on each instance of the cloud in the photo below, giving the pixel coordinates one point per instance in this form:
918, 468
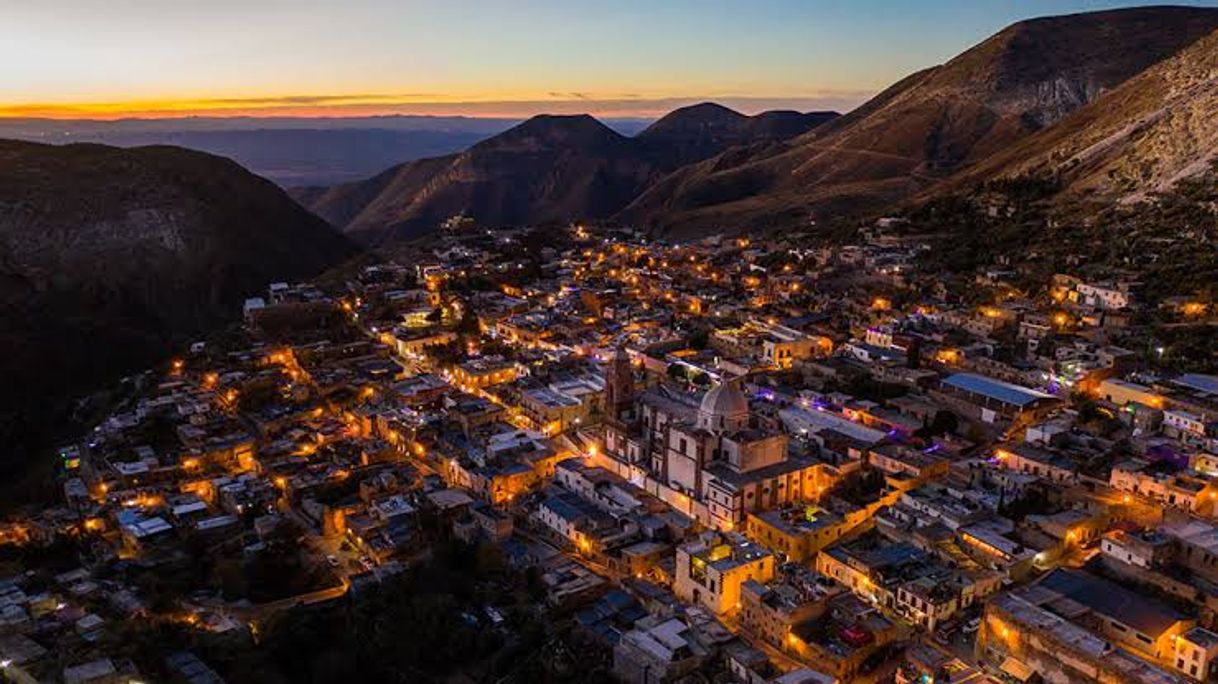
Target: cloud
371, 104
320, 99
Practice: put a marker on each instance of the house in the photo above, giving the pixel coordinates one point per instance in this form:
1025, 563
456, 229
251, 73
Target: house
711, 570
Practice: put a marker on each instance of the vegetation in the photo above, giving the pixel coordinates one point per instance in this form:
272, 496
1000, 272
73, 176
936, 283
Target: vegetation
427, 625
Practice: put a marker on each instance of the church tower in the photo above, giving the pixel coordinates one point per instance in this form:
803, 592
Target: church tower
619, 386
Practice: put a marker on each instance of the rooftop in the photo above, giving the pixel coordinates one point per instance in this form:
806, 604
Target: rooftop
998, 390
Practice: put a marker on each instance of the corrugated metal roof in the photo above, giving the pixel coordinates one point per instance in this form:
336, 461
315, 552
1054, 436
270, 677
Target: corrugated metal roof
995, 389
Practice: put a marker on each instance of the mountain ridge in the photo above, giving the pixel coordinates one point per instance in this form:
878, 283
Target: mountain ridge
548, 168
929, 125
1145, 136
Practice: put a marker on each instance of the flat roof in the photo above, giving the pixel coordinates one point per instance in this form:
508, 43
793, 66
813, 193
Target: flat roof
1143, 613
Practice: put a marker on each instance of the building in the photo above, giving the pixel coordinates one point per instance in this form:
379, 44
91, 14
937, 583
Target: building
1045, 464
1197, 654
657, 650
995, 401
585, 527
770, 611
480, 373
1121, 392
720, 466
795, 533
1038, 630
711, 570
1156, 481
552, 411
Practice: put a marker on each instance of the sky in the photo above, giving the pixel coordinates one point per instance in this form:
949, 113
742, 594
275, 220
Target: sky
115, 58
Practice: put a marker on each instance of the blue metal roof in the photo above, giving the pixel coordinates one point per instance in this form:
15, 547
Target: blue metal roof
995, 389
1201, 383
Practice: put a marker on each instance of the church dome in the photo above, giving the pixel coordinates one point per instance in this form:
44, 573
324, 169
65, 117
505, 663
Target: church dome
725, 400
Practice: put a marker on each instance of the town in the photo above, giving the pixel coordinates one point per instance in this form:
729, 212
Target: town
754, 460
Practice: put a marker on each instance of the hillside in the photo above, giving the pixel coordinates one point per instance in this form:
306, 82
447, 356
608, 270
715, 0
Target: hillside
929, 126
1142, 138
109, 255
549, 168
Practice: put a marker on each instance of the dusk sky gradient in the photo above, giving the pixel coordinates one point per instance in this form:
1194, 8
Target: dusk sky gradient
479, 57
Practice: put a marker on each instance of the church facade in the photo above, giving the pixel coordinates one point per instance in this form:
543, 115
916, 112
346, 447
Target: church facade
708, 459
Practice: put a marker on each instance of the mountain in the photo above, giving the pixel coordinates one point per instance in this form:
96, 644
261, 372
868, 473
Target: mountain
108, 256
1143, 137
703, 130
291, 151
298, 156
928, 126
549, 168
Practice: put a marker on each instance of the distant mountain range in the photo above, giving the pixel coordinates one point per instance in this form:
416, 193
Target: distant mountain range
1010, 104
291, 151
109, 257
549, 168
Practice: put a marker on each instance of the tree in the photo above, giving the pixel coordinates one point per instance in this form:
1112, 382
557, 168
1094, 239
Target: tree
944, 423
469, 324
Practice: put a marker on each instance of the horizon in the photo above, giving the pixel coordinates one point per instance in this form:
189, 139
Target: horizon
230, 60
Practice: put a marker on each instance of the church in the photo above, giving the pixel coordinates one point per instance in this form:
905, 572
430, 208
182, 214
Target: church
707, 458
